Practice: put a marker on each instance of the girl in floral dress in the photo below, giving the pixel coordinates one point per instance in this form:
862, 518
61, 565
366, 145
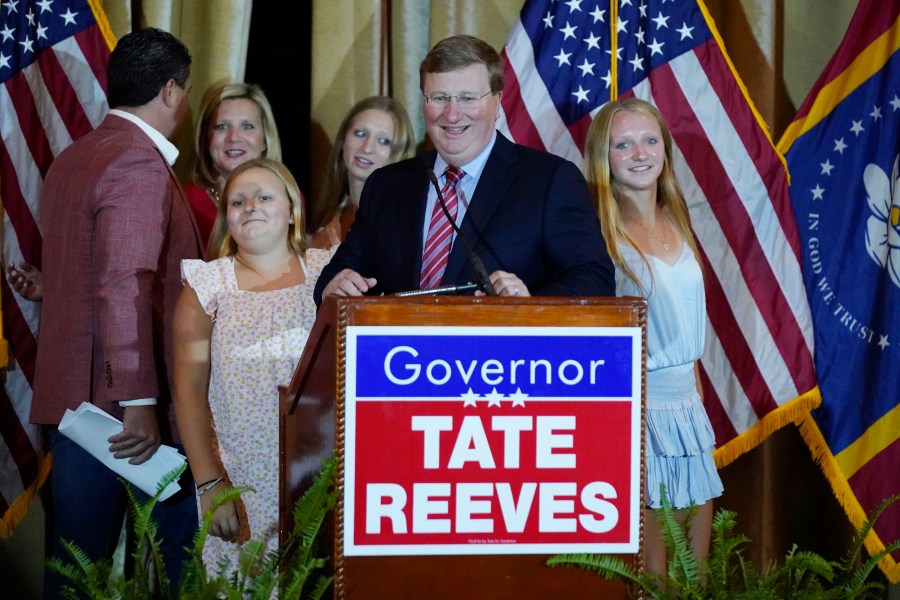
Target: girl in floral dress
240, 327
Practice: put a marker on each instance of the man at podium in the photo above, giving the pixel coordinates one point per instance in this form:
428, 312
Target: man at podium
523, 218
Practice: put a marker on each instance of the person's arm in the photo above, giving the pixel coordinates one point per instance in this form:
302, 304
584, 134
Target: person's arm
131, 208
573, 242
192, 338
697, 379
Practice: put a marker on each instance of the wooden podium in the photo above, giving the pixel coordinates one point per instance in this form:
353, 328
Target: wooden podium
313, 423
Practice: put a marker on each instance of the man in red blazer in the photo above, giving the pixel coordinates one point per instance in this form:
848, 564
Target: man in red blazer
527, 214
116, 227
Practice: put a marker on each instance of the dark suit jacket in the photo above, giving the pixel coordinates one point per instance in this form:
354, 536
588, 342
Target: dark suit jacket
531, 214
116, 227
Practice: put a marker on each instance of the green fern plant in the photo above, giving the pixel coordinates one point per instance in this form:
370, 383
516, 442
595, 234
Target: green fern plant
291, 572
96, 580
727, 575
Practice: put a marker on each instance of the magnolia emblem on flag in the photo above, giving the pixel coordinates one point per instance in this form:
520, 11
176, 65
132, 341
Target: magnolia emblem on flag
883, 227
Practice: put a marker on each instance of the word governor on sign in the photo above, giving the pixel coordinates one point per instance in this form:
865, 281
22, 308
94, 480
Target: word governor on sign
428, 505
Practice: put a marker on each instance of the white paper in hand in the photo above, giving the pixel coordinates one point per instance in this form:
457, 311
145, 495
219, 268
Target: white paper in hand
90, 428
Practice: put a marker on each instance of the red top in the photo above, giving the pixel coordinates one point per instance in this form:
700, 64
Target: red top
205, 210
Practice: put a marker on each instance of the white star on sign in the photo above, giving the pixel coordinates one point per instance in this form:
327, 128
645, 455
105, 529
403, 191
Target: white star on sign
470, 398
518, 398
493, 398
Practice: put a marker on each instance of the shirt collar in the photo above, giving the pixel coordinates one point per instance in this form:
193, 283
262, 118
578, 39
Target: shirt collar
168, 149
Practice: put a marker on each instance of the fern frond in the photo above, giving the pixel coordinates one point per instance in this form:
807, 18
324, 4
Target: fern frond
683, 563
321, 586
612, 568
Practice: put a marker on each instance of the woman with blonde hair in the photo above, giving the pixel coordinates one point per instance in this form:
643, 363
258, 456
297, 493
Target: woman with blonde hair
646, 224
240, 326
375, 132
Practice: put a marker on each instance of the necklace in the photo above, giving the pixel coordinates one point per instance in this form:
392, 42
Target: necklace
214, 193
661, 240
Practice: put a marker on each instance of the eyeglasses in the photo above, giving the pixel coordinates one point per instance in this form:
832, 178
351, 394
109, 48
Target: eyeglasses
464, 101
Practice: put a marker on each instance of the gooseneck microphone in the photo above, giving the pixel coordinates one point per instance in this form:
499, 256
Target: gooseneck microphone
481, 274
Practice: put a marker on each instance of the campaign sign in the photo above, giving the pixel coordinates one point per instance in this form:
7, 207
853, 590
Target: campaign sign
492, 440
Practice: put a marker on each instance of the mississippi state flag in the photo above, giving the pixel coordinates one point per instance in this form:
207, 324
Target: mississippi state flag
843, 150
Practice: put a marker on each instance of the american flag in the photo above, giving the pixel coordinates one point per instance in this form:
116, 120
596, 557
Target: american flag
53, 56
843, 150
757, 371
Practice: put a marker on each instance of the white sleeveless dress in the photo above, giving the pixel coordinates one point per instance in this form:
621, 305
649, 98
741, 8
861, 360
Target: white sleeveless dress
679, 436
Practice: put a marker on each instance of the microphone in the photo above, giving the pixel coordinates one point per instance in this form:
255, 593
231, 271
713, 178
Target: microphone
444, 289
481, 274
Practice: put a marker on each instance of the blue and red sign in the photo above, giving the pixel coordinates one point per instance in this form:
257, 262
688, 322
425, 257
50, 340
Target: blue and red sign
492, 440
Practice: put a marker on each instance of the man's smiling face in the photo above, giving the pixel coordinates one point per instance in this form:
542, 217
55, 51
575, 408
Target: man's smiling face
460, 134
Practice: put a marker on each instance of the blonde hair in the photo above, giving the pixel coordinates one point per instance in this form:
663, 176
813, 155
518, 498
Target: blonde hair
220, 241
203, 173
337, 180
607, 195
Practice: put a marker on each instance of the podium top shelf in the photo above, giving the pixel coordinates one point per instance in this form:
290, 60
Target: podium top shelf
533, 311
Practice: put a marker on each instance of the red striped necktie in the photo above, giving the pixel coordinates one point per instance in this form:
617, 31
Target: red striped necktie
440, 231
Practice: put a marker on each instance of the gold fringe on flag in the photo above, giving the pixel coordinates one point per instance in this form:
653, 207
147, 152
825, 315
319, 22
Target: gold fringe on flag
795, 411
821, 453
19, 508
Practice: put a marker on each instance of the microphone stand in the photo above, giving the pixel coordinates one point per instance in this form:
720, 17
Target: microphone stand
477, 266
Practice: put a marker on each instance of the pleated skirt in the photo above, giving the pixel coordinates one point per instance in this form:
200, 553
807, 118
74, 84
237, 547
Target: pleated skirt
679, 440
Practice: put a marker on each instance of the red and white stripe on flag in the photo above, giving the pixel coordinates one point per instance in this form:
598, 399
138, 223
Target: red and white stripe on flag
757, 369
53, 59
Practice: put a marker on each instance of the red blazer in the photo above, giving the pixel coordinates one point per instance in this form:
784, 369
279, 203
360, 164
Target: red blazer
116, 227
